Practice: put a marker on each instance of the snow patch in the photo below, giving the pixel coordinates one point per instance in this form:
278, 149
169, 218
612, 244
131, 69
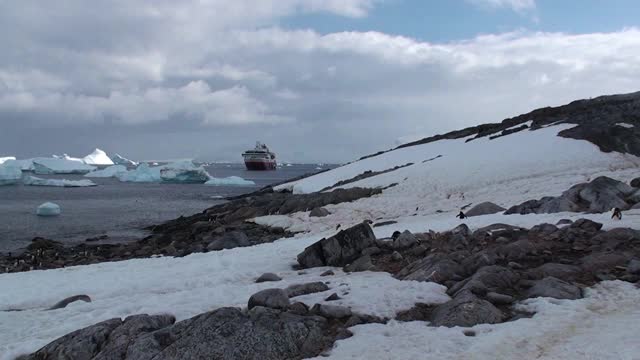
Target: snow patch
625, 125
3, 159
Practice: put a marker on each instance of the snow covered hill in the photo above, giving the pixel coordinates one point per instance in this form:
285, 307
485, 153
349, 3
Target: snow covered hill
425, 184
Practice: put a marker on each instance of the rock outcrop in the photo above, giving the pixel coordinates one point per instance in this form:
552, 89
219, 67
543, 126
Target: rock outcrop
600, 195
340, 249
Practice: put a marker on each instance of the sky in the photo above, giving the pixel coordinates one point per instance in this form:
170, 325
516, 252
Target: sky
317, 80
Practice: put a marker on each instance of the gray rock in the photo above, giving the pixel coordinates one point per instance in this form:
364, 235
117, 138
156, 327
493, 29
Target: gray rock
331, 311
340, 249
304, 289
396, 256
560, 271
598, 262
298, 308
332, 297
499, 299
598, 196
405, 240
635, 182
374, 250
485, 208
363, 263
269, 298
63, 303
419, 250
564, 222
487, 279
328, 273
109, 339
634, 266
227, 333
319, 212
554, 288
466, 310
229, 240
435, 268
268, 277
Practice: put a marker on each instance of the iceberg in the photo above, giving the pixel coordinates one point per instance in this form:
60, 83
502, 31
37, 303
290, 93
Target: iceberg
184, 172
36, 181
229, 181
178, 172
121, 160
97, 157
24, 165
60, 166
66, 157
48, 209
6, 158
111, 171
10, 173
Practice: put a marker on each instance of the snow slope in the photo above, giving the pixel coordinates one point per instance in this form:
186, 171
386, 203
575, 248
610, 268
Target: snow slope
507, 170
97, 157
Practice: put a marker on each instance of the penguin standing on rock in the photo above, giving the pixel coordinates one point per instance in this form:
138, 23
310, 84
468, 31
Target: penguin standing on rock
461, 215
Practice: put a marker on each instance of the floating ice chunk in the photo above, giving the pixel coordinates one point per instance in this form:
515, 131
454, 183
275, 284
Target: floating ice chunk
6, 158
48, 209
121, 160
36, 181
97, 157
10, 173
178, 172
230, 181
184, 172
143, 173
60, 166
24, 165
111, 171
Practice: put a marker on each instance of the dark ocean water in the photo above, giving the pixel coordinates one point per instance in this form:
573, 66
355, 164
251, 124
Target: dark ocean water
116, 209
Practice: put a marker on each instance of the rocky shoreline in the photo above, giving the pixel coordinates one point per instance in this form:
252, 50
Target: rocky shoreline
219, 227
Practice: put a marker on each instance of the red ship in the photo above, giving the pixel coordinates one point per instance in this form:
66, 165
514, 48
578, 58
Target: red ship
260, 158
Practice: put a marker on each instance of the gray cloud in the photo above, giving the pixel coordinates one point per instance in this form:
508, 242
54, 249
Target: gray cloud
206, 79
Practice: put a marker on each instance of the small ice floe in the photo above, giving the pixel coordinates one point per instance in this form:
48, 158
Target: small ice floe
48, 209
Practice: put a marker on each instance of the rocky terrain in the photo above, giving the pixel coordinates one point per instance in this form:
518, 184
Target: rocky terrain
220, 227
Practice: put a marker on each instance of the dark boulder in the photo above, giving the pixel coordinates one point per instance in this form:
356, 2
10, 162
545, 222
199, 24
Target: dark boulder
436, 268
485, 208
304, 289
635, 182
266, 277
466, 310
405, 240
229, 240
269, 298
63, 303
554, 288
362, 263
340, 249
319, 212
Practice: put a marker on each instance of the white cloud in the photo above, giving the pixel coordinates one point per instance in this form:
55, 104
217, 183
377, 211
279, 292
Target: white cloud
176, 63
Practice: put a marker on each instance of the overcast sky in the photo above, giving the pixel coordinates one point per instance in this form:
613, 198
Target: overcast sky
317, 80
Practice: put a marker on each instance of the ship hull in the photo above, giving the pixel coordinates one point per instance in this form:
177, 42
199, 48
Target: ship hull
260, 165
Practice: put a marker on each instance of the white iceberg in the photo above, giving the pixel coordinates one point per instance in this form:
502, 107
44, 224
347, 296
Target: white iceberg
178, 172
111, 171
60, 166
24, 165
6, 158
66, 157
97, 157
36, 181
121, 160
229, 181
48, 209
10, 173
